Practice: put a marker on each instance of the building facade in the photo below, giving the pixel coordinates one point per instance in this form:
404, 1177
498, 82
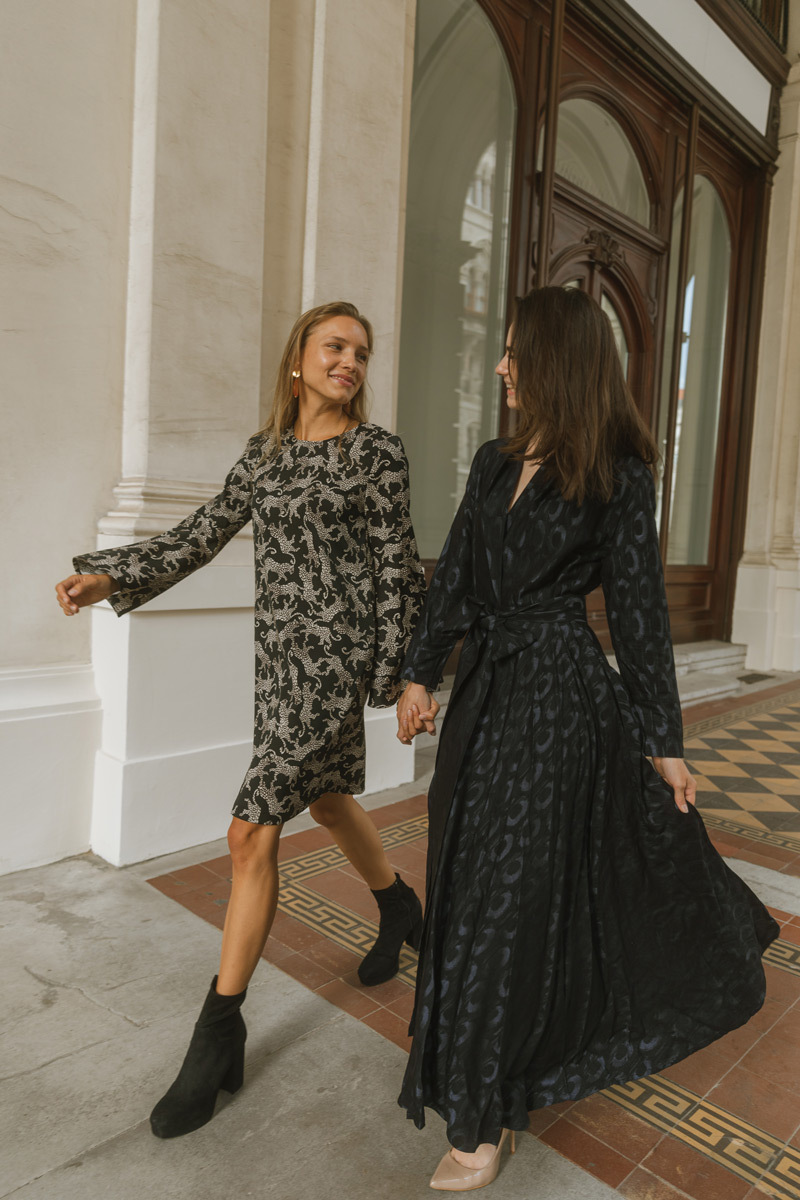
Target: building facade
181, 179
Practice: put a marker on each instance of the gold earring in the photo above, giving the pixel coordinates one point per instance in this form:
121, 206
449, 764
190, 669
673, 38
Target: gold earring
295, 384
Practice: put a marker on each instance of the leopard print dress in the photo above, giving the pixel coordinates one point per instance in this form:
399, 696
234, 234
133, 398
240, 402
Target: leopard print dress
339, 587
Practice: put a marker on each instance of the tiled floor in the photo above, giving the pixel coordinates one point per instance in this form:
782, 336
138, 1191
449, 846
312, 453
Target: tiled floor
721, 1125
746, 759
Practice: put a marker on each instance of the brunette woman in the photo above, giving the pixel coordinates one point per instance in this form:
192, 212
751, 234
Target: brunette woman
580, 928
338, 589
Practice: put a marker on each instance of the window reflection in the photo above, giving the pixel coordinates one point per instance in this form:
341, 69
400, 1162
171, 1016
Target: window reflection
705, 309
619, 333
594, 152
456, 249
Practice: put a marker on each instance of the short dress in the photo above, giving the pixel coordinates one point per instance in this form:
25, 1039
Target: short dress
338, 590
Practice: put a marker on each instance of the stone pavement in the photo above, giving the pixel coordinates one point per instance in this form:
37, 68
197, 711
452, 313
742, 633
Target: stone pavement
104, 973
103, 976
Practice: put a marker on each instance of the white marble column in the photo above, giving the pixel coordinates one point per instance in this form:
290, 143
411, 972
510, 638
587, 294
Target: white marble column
360, 108
174, 679
767, 609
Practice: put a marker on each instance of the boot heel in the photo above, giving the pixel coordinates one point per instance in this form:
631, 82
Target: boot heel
414, 939
235, 1076
400, 922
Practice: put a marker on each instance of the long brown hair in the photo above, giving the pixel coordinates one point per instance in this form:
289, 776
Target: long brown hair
284, 405
574, 407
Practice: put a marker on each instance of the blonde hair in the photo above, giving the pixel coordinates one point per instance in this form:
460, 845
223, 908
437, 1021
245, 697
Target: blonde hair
284, 404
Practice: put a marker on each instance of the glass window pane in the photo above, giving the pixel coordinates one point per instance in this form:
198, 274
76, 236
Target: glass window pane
456, 249
669, 339
619, 333
594, 152
694, 450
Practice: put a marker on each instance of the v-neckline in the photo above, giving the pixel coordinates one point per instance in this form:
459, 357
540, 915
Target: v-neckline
510, 507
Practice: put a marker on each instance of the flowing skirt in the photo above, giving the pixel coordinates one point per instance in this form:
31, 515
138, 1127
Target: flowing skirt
581, 931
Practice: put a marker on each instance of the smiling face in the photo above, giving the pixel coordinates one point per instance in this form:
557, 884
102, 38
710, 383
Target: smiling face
507, 371
334, 362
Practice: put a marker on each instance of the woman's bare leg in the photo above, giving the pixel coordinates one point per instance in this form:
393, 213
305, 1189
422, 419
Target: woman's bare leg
251, 908
356, 837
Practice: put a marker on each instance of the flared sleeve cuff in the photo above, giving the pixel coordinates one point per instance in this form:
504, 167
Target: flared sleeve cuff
128, 595
385, 690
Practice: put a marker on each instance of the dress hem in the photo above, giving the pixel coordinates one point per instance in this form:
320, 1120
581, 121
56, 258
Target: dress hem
417, 1114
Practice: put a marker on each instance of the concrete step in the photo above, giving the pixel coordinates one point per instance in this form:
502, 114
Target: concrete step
694, 686
706, 670
712, 656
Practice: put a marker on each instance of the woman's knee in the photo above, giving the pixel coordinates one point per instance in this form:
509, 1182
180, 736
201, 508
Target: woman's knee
252, 845
331, 808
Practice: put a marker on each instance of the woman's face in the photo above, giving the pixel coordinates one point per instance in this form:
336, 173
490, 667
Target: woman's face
334, 361
507, 370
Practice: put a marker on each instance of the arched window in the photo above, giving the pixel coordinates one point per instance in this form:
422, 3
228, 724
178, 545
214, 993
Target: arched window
463, 115
594, 152
705, 311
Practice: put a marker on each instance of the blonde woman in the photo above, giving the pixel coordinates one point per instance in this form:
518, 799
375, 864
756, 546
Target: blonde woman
338, 589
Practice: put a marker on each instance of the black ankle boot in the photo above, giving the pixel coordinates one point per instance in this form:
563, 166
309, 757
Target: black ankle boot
214, 1060
401, 921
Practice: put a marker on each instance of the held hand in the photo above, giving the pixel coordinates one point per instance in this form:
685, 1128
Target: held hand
76, 591
416, 712
675, 772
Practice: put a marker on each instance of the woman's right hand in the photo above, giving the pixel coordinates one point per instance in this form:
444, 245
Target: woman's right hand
76, 591
416, 712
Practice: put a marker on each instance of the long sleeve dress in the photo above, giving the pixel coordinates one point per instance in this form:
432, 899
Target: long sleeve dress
580, 930
338, 589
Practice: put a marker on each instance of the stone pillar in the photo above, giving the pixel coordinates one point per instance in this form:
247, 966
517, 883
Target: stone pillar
360, 107
174, 679
767, 609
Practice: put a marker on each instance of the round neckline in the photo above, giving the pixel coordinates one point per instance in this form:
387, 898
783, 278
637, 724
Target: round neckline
322, 441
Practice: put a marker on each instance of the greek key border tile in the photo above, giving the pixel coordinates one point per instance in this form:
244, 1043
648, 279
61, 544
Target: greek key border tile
784, 955
770, 837
339, 924
697, 728
315, 862
743, 1149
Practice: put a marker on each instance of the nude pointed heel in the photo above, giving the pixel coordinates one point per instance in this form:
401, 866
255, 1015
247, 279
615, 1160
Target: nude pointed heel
452, 1176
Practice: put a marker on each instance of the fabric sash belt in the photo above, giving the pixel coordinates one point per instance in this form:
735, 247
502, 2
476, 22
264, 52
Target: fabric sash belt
493, 635
499, 633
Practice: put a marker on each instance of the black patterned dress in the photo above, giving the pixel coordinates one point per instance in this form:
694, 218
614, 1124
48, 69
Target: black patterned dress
580, 930
339, 587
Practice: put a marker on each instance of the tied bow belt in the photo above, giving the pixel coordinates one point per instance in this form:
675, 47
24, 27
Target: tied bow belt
502, 632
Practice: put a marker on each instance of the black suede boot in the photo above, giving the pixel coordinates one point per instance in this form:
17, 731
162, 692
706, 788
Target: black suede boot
401, 921
214, 1060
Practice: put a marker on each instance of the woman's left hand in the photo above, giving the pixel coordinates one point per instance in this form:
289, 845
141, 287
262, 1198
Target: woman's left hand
675, 772
416, 713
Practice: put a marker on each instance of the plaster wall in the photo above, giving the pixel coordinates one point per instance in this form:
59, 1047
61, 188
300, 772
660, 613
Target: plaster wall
66, 94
